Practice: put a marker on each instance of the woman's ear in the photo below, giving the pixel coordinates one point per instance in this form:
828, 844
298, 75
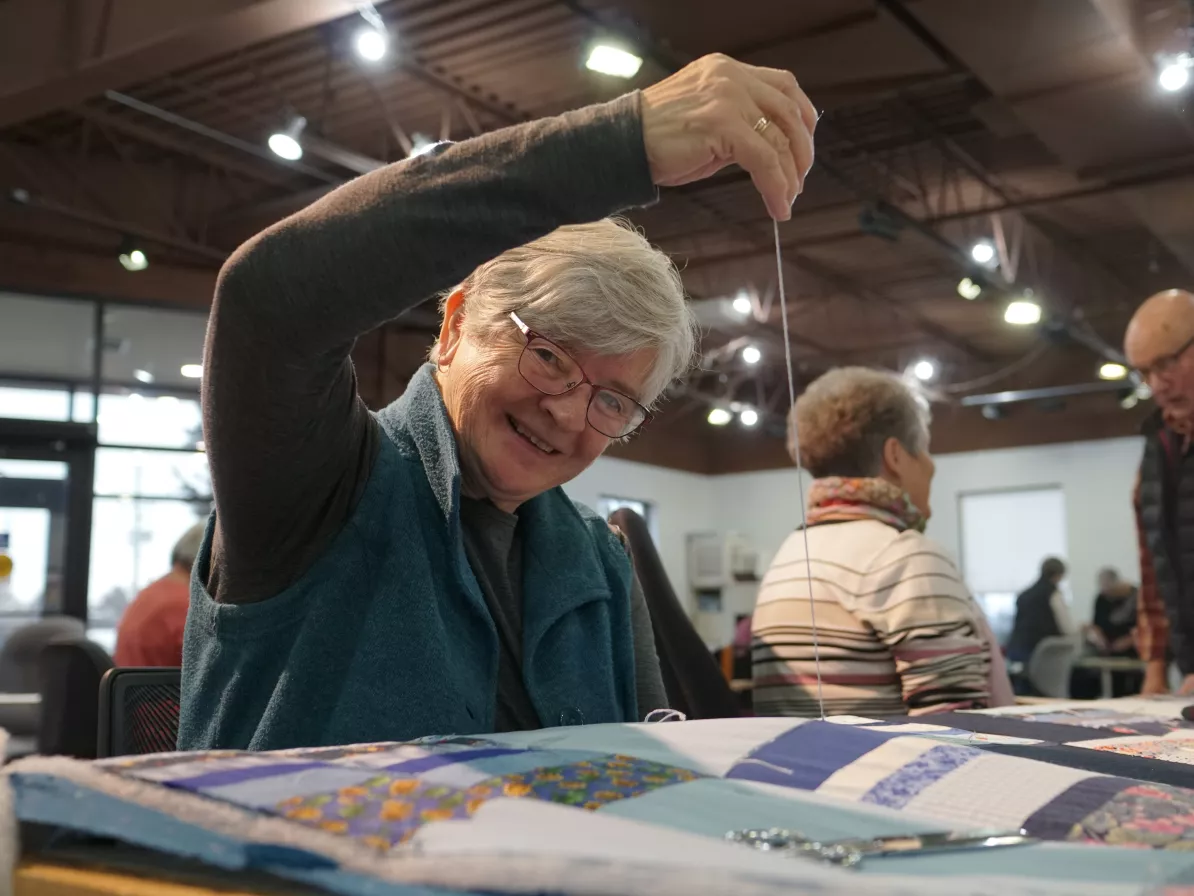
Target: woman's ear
894, 457
451, 331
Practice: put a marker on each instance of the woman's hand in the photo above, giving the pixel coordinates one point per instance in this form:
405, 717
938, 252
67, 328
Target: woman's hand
707, 116
1156, 678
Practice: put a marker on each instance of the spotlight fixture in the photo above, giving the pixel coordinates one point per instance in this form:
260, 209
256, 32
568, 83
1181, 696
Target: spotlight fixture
420, 144
924, 370
969, 289
983, 252
610, 60
371, 43
752, 355
133, 260
748, 417
1022, 313
719, 416
1112, 371
191, 371
1175, 73
993, 412
285, 143
143, 376
742, 303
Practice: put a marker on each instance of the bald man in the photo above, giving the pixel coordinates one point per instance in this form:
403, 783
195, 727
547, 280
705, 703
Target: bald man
1158, 344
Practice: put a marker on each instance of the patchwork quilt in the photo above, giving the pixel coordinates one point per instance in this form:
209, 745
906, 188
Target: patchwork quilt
630, 809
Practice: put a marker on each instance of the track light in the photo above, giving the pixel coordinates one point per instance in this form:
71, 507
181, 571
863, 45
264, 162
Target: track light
371, 43
1175, 73
969, 289
610, 60
748, 417
1022, 313
285, 143
132, 257
752, 355
924, 370
742, 303
1112, 371
191, 371
719, 416
143, 376
420, 144
983, 252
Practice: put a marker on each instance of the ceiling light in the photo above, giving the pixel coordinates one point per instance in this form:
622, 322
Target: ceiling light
371, 44
983, 252
968, 289
1112, 371
143, 376
924, 370
719, 416
748, 417
285, 143
1144, 391
613, 61
1129, 401
1022, 313
191, 371
132, 257
1175, 73
752, 355
742, 303
421, 144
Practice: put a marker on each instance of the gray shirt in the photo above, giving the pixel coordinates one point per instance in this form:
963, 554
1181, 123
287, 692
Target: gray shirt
290, 442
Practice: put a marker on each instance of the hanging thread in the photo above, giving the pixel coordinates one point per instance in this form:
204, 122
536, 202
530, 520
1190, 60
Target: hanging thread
808, 566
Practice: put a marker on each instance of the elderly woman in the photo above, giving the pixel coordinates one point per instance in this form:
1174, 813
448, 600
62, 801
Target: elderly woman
896, 629
420, 571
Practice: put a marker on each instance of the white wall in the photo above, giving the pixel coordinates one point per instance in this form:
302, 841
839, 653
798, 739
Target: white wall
1096, 478
682, 502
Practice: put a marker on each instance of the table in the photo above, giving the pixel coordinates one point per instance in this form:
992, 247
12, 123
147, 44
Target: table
1106, 665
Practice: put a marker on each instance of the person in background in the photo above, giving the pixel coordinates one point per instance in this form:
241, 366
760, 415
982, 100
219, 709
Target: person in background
421, 571
1041, 612
151, 630
897, 630
1113, 629
1157, 344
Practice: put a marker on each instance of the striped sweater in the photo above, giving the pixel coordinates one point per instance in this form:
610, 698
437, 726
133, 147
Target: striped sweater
897, 629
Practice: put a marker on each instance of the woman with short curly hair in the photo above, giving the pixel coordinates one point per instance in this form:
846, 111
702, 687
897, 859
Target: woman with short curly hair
896, 628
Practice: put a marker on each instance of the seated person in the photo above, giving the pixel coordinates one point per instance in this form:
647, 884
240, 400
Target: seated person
151, 629
420, 571
896, 629
1113, 629
1041, 612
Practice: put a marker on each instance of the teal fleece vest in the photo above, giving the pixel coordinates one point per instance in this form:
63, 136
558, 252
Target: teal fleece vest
387, 635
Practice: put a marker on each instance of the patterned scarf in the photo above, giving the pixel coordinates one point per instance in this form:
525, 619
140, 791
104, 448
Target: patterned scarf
836, 499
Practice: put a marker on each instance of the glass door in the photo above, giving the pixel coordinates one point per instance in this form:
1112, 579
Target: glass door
46, 472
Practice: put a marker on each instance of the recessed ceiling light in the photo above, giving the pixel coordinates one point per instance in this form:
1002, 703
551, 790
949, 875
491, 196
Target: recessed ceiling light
748, 417
1112, 371
614, 61
968, 289
1022, 313
983, 252
752, 355
719, 416
191, 371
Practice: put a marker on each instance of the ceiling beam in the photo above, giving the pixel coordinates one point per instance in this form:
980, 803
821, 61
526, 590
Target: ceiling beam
120, 43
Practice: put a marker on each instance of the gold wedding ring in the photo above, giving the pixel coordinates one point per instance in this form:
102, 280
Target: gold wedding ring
762, 124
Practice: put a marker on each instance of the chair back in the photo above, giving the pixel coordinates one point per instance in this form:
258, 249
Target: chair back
70, 669
1050, 665
138, 711
691, 676
19, 655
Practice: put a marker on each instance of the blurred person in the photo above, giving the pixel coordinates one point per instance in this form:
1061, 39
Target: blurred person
1113, 628
420, 571
1041, 612
1158, 346
150, 632
897, 630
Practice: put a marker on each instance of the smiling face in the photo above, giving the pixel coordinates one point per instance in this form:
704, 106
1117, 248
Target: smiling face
515, 442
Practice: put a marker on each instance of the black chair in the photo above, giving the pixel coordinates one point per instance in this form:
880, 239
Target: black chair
69, 671
138, 711
691, 677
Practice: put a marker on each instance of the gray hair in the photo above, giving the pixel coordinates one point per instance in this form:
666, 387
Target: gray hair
186, 549
845, 417
599, 286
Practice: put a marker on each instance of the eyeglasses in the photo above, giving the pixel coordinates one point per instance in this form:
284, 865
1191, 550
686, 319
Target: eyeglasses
552, 371
1165, 363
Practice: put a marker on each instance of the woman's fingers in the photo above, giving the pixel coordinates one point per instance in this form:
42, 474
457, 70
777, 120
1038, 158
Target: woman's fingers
764, 163
786, 119
785, 82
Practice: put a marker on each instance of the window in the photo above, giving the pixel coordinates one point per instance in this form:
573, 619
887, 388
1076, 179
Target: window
607, 504
1005, 535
